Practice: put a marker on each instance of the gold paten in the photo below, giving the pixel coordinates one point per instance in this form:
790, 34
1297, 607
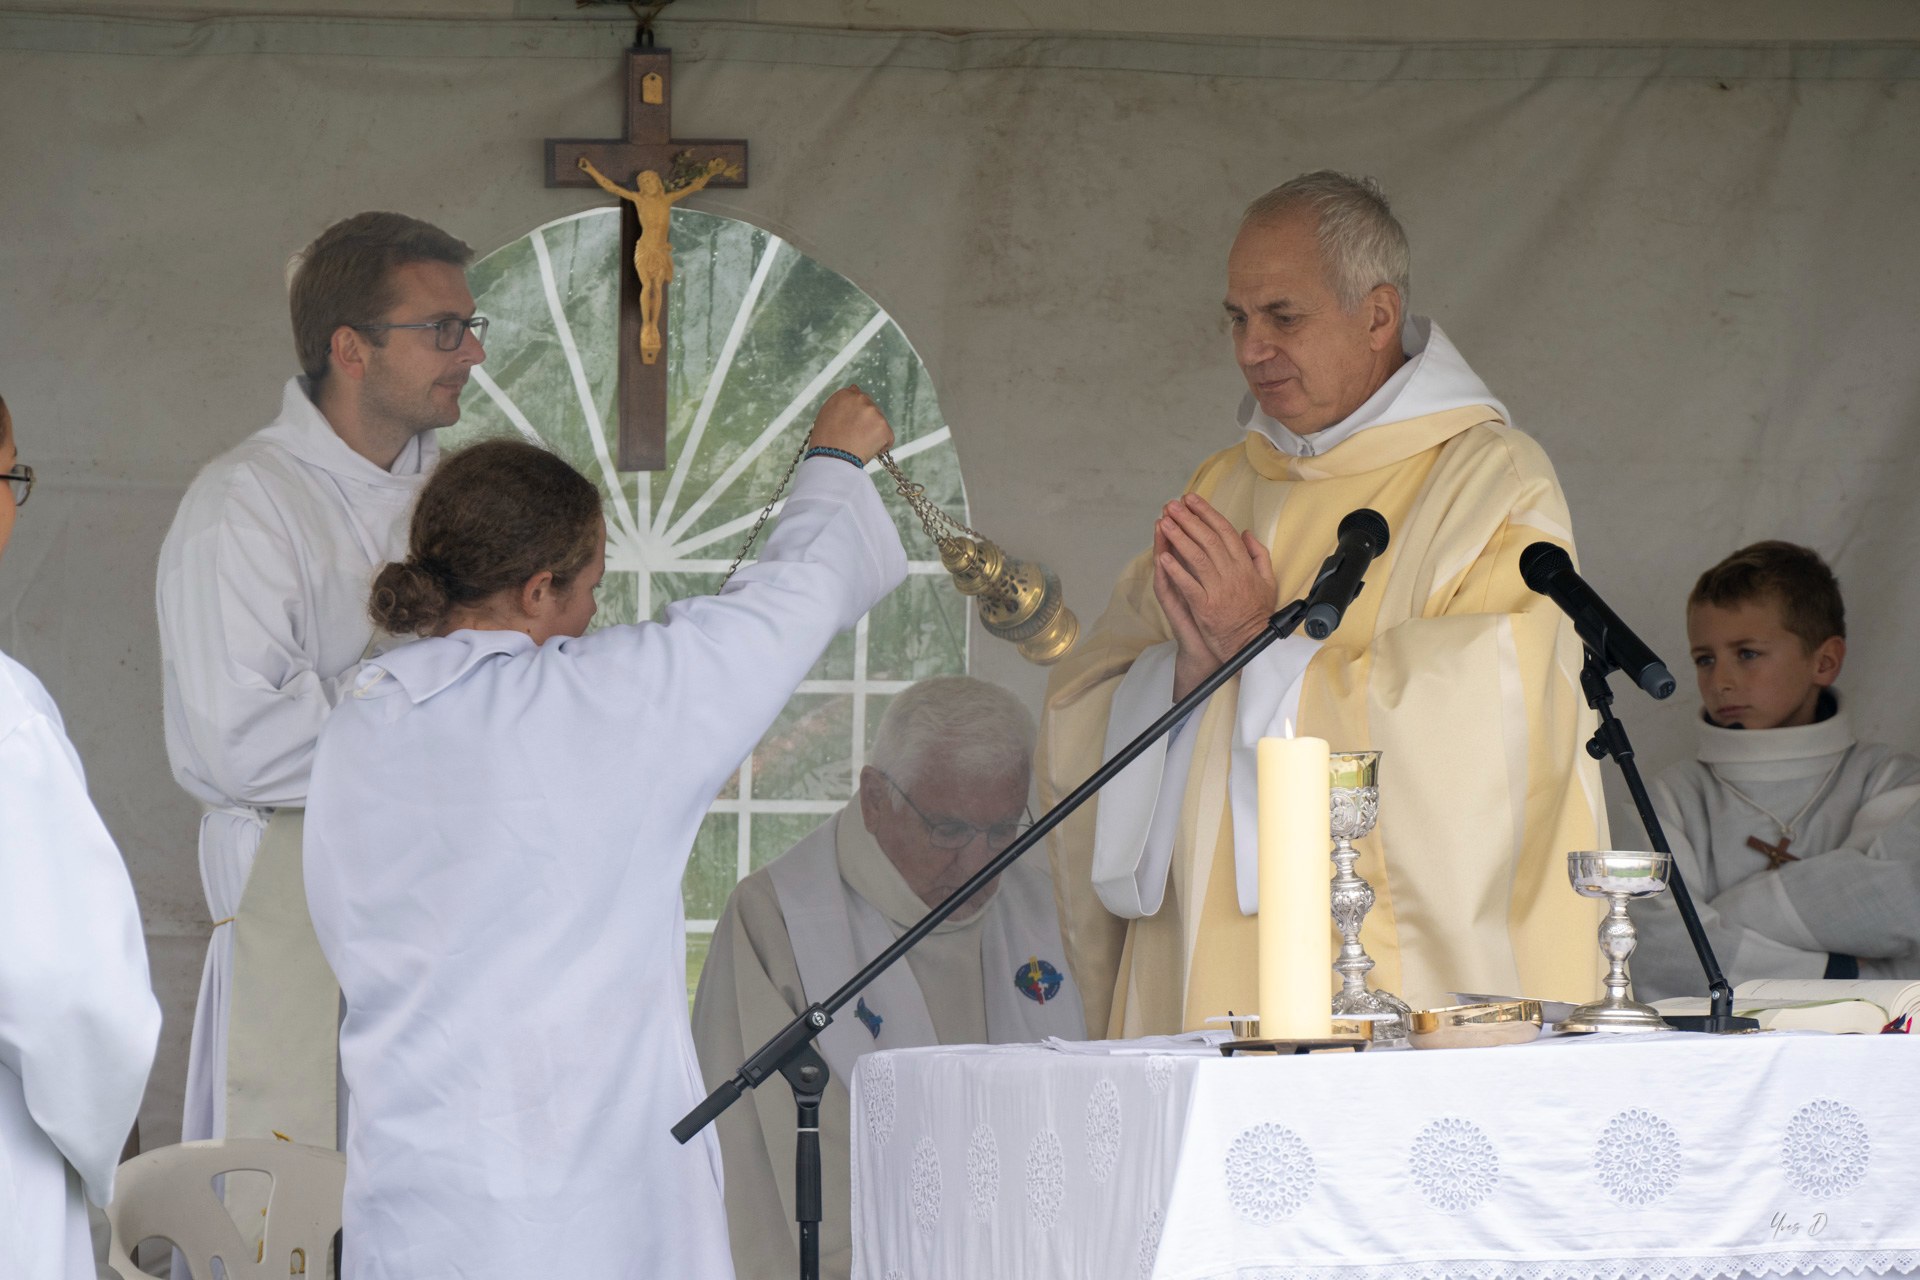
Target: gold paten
1463, 1026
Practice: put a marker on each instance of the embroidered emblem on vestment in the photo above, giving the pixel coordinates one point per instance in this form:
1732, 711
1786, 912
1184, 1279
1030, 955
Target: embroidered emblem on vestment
1037, 980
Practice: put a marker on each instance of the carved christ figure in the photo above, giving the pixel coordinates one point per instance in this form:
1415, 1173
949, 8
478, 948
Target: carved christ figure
653, 251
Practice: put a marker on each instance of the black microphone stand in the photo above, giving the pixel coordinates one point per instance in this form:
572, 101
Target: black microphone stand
1610, 739
791, 1053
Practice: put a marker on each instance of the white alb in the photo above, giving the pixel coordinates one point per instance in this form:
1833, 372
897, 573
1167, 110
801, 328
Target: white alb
262, 598
495, 843
78, 1021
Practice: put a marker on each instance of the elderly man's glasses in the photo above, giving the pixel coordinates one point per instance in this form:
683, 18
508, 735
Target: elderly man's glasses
19, 483
953, 835
448, 334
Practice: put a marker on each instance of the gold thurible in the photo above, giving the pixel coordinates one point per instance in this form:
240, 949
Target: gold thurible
1019, 600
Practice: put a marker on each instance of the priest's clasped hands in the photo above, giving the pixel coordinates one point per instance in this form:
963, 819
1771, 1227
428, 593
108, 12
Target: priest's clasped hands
1214, 582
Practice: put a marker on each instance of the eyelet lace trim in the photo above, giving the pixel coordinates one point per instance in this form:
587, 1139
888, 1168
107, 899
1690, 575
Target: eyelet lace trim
1103, 1131
1721, 1266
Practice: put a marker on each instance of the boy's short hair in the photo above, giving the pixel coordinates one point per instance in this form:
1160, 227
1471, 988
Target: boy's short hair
345, 277
1794, 577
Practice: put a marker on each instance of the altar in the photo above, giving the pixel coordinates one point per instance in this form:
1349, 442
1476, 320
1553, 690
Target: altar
1661, 1155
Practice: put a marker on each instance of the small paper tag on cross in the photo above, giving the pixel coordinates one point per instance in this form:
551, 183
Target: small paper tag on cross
1777, 855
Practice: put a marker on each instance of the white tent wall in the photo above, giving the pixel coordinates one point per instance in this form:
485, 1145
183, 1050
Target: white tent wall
1688, 268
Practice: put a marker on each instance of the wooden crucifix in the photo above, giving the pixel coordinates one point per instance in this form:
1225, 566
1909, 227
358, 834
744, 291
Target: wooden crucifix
648, 151
1777, 855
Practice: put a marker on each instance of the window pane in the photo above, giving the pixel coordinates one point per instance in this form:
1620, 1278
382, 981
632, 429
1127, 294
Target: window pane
918, 631
697, 946
775, 833
711, 871
807, 755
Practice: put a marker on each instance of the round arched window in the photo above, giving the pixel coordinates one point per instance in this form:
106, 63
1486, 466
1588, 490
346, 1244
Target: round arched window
758, 335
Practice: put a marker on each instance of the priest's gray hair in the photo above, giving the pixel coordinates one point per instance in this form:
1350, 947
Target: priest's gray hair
953, 723
1363, 243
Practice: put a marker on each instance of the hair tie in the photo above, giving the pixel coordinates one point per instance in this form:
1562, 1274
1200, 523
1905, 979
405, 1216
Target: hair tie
434, 568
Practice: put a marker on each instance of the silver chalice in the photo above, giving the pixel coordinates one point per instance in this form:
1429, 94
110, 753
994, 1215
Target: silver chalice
1355, 796
1617, 877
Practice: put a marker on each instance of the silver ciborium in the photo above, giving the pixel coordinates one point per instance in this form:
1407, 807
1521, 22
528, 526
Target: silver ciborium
1617, 877
1355, 795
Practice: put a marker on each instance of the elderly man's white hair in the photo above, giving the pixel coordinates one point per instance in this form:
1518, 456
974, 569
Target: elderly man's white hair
967, 726
1363, 243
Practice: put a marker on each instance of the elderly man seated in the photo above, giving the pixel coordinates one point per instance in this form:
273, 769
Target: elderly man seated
947, 790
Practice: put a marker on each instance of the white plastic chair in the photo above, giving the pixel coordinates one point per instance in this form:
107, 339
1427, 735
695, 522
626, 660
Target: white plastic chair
169, 1193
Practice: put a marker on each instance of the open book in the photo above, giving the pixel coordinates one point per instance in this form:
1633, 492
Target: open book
1814, 1004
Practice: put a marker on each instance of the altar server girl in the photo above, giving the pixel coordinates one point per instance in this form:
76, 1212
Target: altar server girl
78, 1021
500, 817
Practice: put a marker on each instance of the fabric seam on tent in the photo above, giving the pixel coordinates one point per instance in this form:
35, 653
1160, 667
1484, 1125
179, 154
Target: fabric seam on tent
1210, 56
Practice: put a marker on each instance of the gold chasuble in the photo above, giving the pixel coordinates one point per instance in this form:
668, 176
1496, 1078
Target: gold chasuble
1464, 679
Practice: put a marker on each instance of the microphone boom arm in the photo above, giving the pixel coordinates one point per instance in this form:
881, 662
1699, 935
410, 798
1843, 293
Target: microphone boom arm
814, 1018
790, 1051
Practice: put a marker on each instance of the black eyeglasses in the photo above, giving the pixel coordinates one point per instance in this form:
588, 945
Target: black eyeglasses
952, 835
448, 334
20, 481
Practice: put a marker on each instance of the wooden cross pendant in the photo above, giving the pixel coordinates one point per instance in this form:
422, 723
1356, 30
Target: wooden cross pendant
649, 146
1777, 855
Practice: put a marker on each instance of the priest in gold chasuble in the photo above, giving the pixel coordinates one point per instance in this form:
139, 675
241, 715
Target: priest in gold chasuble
1464, 679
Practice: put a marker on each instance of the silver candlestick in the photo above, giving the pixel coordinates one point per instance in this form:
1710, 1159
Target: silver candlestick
1617, 877
1355, 796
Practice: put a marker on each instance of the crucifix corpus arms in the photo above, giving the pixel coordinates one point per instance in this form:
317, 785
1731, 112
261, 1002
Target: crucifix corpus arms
668, 169
653, 199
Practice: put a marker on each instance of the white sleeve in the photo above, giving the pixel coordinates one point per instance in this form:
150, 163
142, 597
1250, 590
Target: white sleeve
1133, 825
1856, 900
78, 1021
232, 600
1664, 962
720, 668
1139, 812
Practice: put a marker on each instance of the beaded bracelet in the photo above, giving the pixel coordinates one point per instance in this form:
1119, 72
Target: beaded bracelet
825, 451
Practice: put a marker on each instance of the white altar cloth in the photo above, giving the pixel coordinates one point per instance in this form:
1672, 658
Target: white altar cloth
1661, 1155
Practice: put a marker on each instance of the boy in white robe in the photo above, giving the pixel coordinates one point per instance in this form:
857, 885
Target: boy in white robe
948, 791
501, 816
78, 1021
262, 594
1800, 844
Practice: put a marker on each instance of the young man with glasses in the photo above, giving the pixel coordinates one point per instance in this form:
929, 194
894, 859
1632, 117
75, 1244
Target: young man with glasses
947, 790
78, 1021
262, 597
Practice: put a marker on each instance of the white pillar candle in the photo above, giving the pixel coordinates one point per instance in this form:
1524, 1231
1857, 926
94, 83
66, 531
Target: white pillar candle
1296, 939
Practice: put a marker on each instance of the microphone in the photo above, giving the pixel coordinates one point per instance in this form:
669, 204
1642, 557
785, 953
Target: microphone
1548, 569
1362, 536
